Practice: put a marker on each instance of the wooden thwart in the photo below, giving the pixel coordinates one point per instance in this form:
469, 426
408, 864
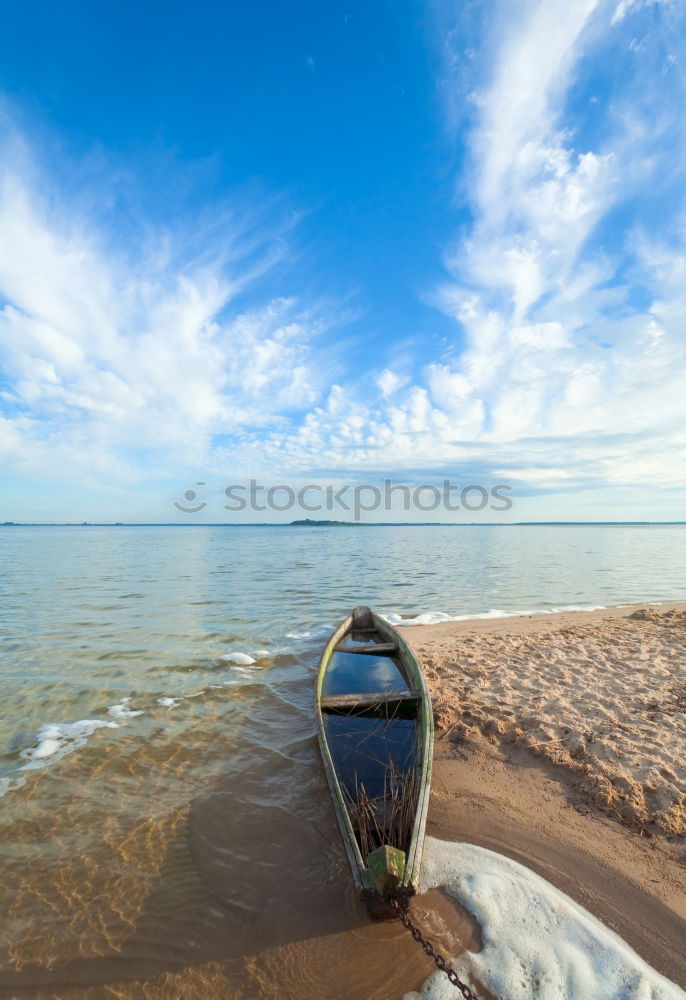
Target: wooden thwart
347, 701
378, 649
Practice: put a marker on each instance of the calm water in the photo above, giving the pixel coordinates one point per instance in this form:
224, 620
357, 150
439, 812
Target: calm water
166, 829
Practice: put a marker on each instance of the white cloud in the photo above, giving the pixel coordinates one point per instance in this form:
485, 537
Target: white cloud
625, 7
517, 137
566, 287
563, 379
105, 351
390, 382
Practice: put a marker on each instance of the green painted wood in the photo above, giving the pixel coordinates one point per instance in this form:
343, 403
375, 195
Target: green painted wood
351, 701
357, 865
386, 867
424, 764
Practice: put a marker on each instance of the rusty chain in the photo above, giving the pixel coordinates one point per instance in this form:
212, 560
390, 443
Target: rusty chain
429, 949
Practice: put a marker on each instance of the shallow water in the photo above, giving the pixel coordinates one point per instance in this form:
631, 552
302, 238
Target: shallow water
365, 748
166, 829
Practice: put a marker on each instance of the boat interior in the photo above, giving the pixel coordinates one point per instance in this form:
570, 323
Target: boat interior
370, 712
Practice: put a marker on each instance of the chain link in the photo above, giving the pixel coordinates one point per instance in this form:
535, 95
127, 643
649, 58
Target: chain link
429, 949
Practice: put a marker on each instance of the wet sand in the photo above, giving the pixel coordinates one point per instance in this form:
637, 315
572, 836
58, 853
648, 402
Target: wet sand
561, 743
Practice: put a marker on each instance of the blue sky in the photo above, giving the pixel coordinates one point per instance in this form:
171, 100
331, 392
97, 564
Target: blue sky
336, 243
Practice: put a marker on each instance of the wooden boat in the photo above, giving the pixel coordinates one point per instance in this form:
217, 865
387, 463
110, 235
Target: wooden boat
375, 730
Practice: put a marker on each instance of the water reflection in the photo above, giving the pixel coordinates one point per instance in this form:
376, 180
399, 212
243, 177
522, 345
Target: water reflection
351, 673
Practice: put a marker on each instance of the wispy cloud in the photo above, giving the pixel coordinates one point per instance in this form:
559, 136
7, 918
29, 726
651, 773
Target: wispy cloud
567, 287
113, 347
555, 346
624, 7
171, 348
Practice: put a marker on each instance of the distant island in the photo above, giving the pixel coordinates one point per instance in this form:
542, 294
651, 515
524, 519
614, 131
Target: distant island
308, 522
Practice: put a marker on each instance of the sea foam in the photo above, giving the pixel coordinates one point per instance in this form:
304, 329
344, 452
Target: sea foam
236, 657
58, 739
436, 617
538, 944
122, 711
321, 630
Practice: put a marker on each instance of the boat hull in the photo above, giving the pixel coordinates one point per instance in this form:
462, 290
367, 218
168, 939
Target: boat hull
379, 875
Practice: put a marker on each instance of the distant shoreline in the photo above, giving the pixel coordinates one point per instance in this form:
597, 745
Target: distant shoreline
337, 524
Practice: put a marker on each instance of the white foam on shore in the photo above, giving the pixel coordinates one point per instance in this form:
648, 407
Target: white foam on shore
242, 671
313, 634
120, 711
56, 740
538, 944
168, 702
436, 617
10, 785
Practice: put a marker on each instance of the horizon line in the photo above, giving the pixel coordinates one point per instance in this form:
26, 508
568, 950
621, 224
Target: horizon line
317, 524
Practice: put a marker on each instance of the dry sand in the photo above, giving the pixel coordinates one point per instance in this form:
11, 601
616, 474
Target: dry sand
561, 742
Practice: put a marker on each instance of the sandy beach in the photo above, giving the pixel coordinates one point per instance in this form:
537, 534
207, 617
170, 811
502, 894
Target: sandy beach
561, 742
